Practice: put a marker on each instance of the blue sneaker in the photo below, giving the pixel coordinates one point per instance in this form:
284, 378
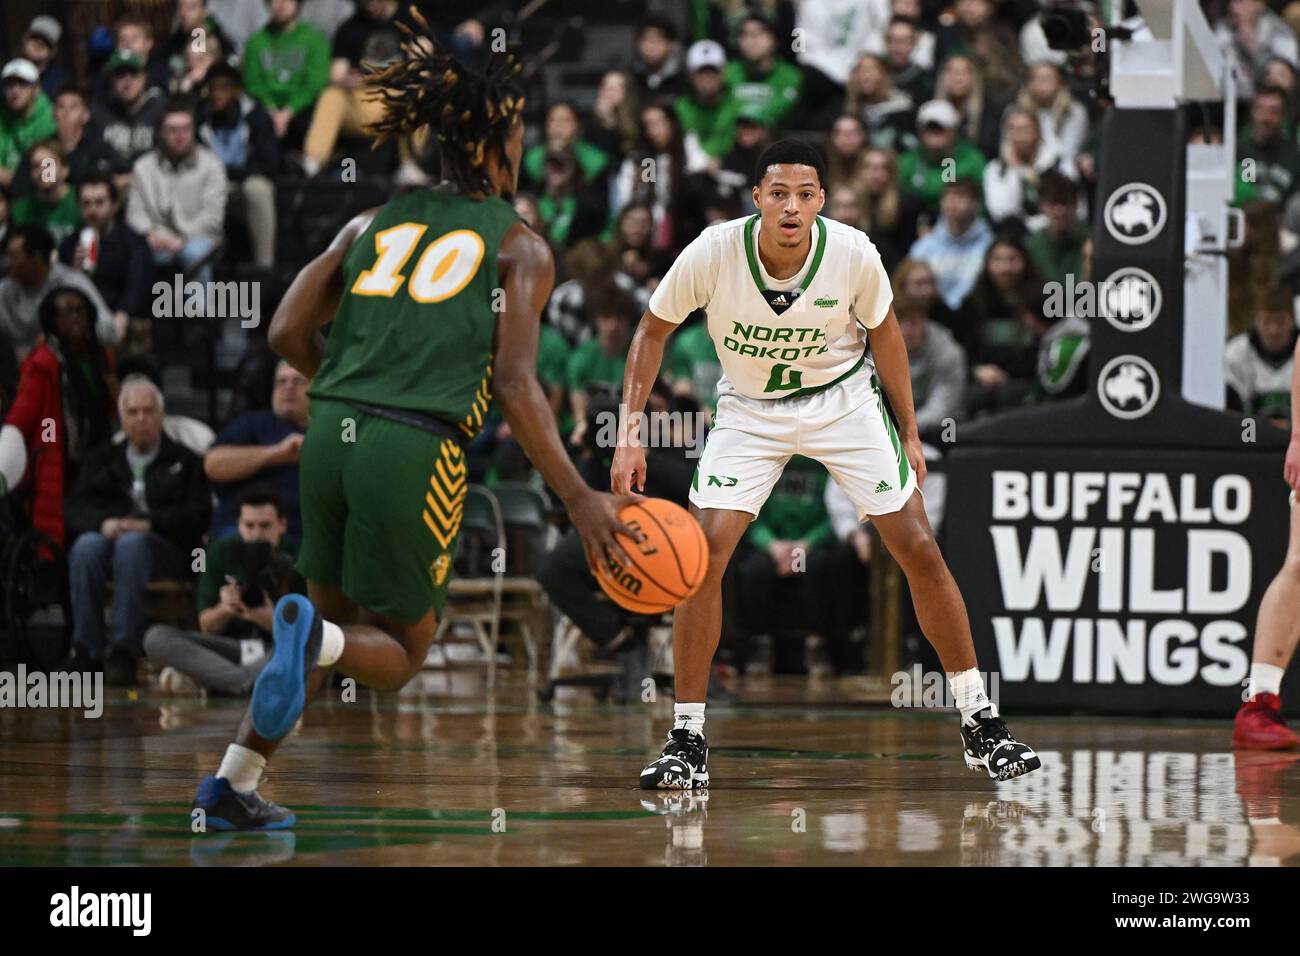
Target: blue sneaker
280, 691
225, 809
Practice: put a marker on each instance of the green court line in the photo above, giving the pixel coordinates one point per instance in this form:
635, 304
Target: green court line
769, 710
553, 751
424, 813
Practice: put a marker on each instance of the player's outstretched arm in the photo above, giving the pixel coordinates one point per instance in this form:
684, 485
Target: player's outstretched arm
528, 273
312, 299
645, 357
890, 353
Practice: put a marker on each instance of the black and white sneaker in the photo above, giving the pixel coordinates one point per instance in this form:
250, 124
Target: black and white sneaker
990, 746
683, 765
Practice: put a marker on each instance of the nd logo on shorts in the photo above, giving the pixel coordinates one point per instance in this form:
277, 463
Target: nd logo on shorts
712, 481
444, 503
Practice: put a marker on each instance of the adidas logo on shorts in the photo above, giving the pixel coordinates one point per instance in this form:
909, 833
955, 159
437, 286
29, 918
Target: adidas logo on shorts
883, 486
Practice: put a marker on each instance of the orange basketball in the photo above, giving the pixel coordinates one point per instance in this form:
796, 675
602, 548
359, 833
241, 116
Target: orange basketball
667, 565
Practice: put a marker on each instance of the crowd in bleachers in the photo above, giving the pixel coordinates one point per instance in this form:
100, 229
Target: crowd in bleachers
964, 146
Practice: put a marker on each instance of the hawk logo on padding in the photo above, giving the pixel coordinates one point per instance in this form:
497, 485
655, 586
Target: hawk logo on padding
1128, 386
1135, 213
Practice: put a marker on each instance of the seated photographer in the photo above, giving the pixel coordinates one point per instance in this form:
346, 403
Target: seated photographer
136, 513
244, 575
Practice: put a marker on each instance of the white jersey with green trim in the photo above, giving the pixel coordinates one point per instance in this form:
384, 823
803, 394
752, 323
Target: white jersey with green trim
841, 291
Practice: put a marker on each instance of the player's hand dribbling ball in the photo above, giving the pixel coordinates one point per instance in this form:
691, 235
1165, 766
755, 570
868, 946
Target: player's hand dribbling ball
665, 567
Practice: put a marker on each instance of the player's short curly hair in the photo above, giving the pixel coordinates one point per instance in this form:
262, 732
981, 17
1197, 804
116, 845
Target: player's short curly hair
470, 111
790, 151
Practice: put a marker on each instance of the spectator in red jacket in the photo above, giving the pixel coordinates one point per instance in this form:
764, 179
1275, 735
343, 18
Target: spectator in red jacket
64, 406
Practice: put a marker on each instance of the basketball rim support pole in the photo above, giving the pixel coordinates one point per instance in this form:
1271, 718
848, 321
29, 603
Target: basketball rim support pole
1178, 64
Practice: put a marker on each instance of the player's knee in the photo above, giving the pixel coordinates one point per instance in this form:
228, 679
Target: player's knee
918, 553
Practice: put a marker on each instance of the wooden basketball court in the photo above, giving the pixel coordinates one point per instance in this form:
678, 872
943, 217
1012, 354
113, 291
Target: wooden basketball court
804, 773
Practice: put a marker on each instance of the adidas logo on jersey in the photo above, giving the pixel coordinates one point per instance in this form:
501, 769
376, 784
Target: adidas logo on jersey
779, 300
883, 486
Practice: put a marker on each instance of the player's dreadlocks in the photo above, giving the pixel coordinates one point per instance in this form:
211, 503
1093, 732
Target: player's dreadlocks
470, 111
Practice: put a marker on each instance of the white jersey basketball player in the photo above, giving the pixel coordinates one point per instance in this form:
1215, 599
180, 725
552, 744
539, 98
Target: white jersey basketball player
793, 300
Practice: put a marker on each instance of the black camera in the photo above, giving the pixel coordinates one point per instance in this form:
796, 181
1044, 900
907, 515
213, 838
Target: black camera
1066, 28
269, 573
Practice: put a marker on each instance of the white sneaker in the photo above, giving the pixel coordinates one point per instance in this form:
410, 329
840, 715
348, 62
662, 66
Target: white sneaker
172, 681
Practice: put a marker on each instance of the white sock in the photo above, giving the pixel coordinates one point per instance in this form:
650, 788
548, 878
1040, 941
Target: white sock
968, 693
242, 767
1265, 679
688, 717
331, 645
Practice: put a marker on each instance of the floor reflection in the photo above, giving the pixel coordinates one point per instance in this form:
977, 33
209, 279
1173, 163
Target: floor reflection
446, 776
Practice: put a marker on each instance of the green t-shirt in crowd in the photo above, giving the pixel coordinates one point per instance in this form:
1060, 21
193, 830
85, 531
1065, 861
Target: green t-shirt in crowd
590, 369
553, 368
714, 126
796, 509
552, 356
925, 180
1058, 258
287, 68
19, 133
61, 219
592, 160
693, 358
770, 96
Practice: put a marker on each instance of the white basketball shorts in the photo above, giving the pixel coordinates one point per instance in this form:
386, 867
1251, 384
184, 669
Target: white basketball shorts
844, 427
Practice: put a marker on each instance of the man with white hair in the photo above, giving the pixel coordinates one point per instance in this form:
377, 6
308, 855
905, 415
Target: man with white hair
138, 510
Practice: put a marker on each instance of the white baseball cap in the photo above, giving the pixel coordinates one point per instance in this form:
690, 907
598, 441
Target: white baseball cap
24, 70
704, 54
940, 113
47, 28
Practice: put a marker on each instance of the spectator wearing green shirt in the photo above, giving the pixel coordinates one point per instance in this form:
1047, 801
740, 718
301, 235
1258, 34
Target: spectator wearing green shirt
779, 576
596, 366
52, 203
26, 115
244, 574
921, 171
693, 365
564, 134
758, 79
708, 111
553, 369
1057, 248
569, 208
1266, 154
286, 66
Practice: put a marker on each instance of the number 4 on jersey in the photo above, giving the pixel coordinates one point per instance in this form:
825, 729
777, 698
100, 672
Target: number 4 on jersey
775, 383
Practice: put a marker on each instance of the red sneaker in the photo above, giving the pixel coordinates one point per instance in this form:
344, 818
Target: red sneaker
1259, 726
